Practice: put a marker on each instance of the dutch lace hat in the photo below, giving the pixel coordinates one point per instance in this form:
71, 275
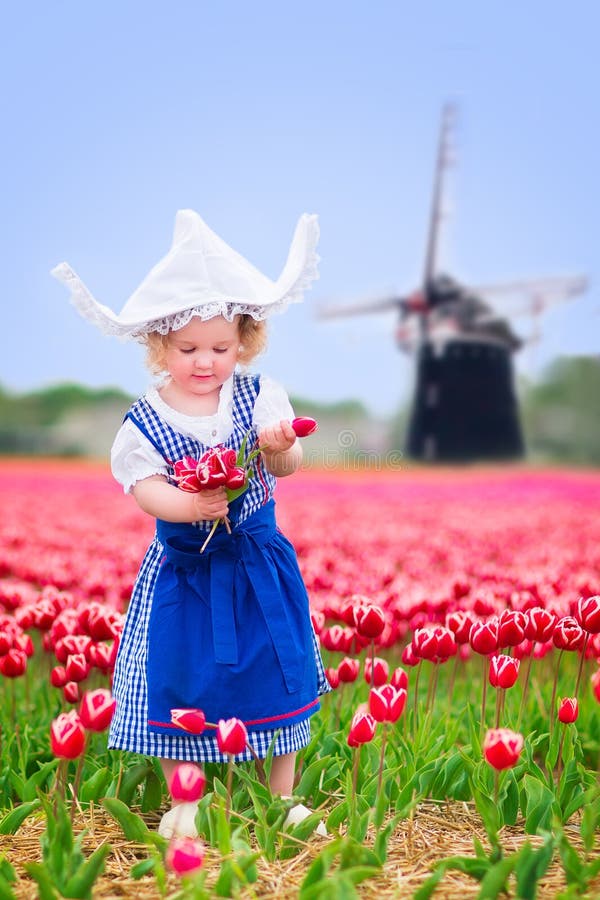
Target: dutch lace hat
201, 276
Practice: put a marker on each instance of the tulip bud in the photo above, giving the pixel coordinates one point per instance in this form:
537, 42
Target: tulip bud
377, 671
67, 736
369, 620
483, 636
77, 667
587, 614
333, 677
568, 710
540, 623
232, 736
568, 634
511, 628
71, 692
191, 720
96, 710
503, 671
236, 478
187, 783
386, 703
362, 729
348, 670
502, 747
399, 678
303, 426
184, 855
58, 677
14, 663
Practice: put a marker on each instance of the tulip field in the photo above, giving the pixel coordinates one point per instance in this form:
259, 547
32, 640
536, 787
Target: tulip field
457, 754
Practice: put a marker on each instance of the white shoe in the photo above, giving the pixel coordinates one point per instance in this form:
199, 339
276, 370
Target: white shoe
298, 814
179, 821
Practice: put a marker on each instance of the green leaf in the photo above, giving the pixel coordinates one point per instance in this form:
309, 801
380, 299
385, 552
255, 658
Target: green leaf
539, 805
493, 882
133, 827
152, 794
310, 777
133, 777
532, 864
94, 788
145, 867
13, 820
81, 883
44, 881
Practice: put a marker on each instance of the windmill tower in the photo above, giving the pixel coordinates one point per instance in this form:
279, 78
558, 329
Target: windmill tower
464, 406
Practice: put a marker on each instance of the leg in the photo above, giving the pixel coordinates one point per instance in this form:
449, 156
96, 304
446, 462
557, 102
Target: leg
282, 774
180, 819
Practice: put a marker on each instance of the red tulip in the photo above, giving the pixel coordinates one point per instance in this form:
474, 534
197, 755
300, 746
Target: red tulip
236, 478
101, 656
425, 643
14, 663
184, 473
58, 677
459, 623
191, 720
232, 736
303, 426
502, 747
369, 620
184, 855
362, 729
77, 667
587, 613
71, 692
187, 783
503, 671
333, 677
67, 736
511, 627
348, 670
71, 644
211, 470
386, 703
96, 710
377, 671
540, 624
568, 634
483, 636
568, 710
399, 678
408, 656
337, 638
5, 642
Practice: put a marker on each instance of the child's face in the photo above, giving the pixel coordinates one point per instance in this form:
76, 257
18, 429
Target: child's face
201, 356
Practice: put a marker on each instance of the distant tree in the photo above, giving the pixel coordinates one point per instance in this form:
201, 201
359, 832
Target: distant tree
561, 413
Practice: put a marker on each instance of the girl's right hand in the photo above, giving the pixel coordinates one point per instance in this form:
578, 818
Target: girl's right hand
211, 504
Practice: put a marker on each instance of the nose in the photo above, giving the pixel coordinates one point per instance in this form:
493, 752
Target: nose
202, 361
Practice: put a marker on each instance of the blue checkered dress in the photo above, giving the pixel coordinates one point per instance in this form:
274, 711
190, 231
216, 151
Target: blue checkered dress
130, 728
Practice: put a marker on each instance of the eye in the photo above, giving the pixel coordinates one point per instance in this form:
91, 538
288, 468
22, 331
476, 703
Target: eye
220, 349
187, 350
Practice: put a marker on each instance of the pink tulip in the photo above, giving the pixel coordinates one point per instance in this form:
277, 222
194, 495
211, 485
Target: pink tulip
187, 783
502, 747
540, 624
511, 628
232, 736
376, 671
587, 613
386, 703
568, 634
184, 855
191, 720
348, 670
503, 671
362, 729
483, 637
568, 710
96, 710
13, 664
369, 620
303, 426
67, 736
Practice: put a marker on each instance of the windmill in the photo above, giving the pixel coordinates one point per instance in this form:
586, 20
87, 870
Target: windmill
464, 405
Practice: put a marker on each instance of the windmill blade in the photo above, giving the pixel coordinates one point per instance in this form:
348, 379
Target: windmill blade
365, 307
443, 161
549, 290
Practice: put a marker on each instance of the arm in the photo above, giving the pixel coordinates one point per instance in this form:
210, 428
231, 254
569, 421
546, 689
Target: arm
162, 500
280, 448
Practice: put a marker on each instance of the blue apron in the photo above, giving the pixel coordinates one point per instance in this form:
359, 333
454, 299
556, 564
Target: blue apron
229, 629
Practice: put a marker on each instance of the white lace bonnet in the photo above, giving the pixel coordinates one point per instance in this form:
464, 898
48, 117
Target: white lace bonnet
201, 276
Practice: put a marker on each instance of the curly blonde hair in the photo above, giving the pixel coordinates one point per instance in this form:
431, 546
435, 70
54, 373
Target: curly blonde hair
253, 340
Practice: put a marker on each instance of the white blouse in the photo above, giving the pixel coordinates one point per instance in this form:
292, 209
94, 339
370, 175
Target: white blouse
133, 457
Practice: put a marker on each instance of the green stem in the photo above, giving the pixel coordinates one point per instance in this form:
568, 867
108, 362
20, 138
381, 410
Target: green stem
581, 662
525, 686
210, 534
382, 758
554, 687
485, 663
229, 786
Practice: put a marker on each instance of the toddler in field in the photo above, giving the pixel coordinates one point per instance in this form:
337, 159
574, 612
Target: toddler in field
226, 630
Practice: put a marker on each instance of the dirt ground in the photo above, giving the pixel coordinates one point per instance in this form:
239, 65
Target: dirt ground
434, 833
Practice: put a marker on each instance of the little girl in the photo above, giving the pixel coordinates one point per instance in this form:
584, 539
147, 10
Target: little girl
226, 630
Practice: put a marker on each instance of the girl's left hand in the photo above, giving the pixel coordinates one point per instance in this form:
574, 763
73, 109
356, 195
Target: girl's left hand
277, 438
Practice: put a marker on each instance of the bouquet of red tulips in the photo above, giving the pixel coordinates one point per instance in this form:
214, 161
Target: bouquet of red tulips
221, 466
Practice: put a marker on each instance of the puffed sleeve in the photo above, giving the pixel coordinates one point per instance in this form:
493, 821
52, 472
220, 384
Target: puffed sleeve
133, 457
272, 404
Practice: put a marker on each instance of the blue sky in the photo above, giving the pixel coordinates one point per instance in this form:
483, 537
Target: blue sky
116, 114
